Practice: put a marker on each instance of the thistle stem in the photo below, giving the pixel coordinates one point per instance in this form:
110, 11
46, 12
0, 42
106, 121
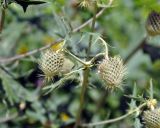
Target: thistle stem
74, 71
76, 58
85, 74
115, 119
82, 96
105, 45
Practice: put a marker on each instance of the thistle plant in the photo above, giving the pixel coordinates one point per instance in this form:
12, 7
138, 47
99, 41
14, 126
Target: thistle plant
60, 59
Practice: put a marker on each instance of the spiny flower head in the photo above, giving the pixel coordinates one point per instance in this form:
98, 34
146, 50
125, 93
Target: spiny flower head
153, 24
152, 118
51, 63
112, 71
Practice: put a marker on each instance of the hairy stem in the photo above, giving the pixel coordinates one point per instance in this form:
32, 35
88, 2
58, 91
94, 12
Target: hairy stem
17, 57
82, 96
106, 47
76, 58
115, 119
85, 74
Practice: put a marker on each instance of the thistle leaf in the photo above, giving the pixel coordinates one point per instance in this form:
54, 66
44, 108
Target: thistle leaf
26, 3
14, 91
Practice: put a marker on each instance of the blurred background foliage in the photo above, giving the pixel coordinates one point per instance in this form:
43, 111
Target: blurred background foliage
23, 103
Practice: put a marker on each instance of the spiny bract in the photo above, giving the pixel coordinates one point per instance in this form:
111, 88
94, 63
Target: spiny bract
152, 118
51, 63
112, 71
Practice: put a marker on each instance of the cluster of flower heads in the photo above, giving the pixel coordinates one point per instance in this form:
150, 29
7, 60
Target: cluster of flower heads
111, 69
151, 117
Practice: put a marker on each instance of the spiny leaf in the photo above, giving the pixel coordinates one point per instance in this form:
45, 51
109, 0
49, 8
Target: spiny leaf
57, 84
25, 3
14, 91
133, 102
137, 123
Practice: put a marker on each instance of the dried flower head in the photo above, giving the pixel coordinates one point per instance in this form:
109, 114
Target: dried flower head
153, 24
152, 118
112, 71
51, 63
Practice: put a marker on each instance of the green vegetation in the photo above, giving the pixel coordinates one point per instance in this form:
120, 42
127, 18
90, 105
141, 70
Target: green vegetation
79, 63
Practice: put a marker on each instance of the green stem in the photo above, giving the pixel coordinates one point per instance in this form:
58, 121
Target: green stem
76, 58
105, 45
82, 96
2, 19
135, 98
92, 30
74, 71
85, 74
116, 119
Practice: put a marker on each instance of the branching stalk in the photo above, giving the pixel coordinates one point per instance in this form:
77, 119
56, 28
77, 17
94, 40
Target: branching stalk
83, 91
76, 58
85, 74
116, 119
106, 47
75, 71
